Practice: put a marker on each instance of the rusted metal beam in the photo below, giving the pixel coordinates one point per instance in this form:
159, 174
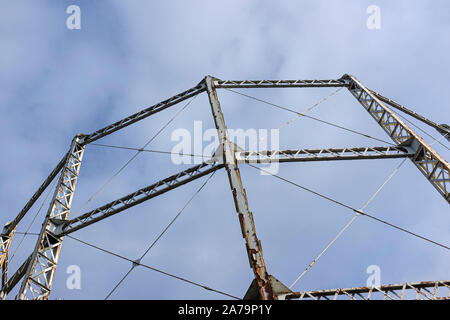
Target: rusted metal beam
143, 114
136, 198
328, 154
5, 242
253, 245
40, 272
426, 159
5, 273
429, 290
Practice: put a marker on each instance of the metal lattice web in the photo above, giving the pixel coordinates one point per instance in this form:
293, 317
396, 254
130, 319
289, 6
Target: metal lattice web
38, 270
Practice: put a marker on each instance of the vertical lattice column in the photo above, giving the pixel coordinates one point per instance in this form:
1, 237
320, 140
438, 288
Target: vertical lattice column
38, 279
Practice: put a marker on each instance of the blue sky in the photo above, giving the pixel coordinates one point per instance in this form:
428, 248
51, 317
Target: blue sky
129, 55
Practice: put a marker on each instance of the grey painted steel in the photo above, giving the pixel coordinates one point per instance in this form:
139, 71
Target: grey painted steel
441, 128
144, 113
426, 159
40, 272
137, 197
328, 154
278, 83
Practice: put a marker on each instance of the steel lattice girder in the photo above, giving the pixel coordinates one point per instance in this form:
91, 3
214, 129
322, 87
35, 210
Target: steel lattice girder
328, 154
278, 83
137, 197
442, 129
253, 245
390, 291
144, 113
429, 162
40, 272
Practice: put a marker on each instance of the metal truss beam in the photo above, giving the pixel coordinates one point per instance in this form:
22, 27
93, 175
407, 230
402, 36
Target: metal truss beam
328, 154
39, 275
429, 162
253, 245
429, 290
137, 197
442, 128
278, 83
144, 113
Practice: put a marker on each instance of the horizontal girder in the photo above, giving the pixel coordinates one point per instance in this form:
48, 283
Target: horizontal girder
430, 290
327, 154
278, 83
137, 197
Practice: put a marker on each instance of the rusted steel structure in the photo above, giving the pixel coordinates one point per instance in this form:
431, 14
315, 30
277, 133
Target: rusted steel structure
38, 270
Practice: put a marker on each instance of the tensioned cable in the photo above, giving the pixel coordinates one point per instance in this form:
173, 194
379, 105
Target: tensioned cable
143, 265
154, 269
309, 117
161, 234
348, 224
34, 219
351, 208
148, 150
324, 250
439, 140
136, 154
308, 109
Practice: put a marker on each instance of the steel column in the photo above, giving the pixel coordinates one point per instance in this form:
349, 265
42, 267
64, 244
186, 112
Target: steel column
253, 245
41, 269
